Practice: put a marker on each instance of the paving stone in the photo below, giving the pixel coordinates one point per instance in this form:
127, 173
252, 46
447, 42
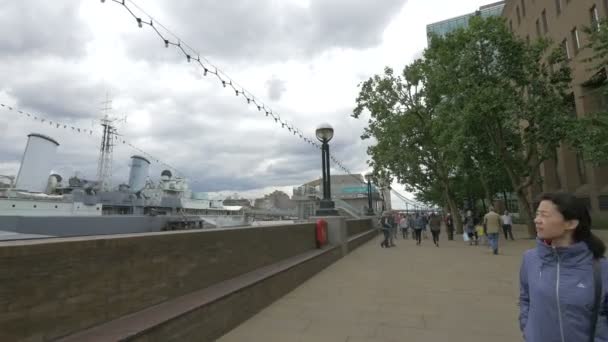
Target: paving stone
422, 293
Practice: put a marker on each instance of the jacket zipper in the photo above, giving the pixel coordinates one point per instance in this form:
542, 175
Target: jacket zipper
559, 309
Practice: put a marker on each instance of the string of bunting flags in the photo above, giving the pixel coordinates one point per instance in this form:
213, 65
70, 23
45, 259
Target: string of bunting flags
118, 138
192, 56
44, 120
169, 39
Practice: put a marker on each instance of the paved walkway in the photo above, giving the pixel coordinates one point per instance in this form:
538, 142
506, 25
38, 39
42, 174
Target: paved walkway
407, 293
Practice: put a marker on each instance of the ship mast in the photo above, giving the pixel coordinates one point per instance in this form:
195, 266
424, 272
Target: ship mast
104, 166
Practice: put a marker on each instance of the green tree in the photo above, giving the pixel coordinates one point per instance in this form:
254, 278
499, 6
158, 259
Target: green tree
504, 94
404, 123
598, 42
591, 132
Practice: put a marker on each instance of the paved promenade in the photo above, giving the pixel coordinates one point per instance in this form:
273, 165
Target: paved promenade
407, 293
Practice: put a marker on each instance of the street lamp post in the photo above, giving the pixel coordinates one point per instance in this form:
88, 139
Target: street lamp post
325, 133
370, 209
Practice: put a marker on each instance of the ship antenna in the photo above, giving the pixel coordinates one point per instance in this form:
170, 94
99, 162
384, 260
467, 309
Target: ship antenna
104, 166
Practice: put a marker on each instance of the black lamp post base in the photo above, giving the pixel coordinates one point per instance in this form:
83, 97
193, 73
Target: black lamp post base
327, 212
327, 208
370, 213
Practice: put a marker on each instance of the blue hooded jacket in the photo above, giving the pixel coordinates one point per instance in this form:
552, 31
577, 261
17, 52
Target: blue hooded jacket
557, 294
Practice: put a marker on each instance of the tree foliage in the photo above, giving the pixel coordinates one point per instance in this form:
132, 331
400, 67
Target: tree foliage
591, 132
478, 113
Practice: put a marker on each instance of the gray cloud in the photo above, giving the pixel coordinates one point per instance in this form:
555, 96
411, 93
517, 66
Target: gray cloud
41, 28
207, 133
276, 87
352, 24
247, 30
215, 156
60, 95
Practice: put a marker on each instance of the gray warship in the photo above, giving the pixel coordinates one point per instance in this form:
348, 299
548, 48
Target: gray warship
37, 204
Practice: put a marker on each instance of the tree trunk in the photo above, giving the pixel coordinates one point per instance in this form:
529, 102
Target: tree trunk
455, 213
519, 183
526, 213
486, 191
447, 193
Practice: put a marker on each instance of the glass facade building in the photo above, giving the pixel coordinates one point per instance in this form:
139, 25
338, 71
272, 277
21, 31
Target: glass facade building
446, 26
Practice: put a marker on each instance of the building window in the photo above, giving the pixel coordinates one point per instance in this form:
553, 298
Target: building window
576, 43
523, 8
528, 39
518, 15
595, 18
603, 202
511, 25
571, 103
545, 24
558, 6
582, 170
606, 7
566, 49
538, 33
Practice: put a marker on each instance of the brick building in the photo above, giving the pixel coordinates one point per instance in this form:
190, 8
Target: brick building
563, 21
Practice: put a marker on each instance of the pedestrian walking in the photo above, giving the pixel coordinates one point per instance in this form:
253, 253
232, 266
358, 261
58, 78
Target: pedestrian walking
492, 224
564, 280
392, 229
397, 220
426, 226
449, 225
435, 227
411, 219
469, 224
404, 224
507, 225
419, 225
385, 227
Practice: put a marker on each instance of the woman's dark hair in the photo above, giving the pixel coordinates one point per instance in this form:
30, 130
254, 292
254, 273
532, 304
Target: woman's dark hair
573, 208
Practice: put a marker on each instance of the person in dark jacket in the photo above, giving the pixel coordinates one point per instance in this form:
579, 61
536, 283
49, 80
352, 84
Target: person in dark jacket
385, 227
449, 226
435, 226
557, 278
469, 225
419, 225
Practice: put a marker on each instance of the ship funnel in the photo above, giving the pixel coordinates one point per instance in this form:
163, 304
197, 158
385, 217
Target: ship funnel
140, 169
37, 163
166, 175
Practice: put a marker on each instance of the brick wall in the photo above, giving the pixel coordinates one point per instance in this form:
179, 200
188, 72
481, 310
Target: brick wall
210, 322
50, 288
358, 226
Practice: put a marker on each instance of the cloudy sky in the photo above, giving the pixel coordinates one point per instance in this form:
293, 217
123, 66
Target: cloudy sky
302, 58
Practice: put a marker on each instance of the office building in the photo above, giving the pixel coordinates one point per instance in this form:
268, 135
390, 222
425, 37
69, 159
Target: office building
446, 26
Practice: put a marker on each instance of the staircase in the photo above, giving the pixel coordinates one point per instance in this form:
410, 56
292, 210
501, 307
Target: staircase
347, 208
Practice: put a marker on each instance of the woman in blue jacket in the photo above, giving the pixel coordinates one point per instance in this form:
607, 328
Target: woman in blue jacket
558, 278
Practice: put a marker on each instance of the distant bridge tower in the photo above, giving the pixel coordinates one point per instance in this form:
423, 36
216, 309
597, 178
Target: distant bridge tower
104, 166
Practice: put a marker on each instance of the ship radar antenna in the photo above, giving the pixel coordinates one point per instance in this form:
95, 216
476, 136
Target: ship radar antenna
104, 166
